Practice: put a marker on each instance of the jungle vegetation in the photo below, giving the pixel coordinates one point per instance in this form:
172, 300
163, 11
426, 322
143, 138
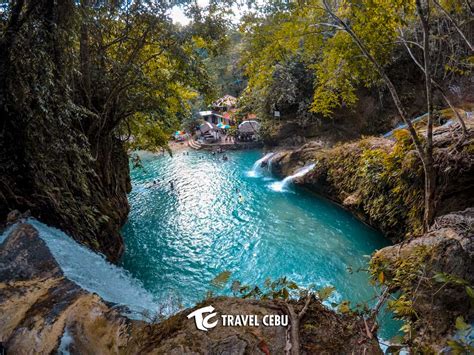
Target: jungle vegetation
341, 46
81, 82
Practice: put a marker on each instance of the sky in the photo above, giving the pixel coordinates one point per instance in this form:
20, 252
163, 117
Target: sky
178, 15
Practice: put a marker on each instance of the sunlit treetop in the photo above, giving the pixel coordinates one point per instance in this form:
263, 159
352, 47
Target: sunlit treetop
305, 29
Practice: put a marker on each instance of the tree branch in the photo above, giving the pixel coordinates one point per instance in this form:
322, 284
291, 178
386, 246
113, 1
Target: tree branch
453, 21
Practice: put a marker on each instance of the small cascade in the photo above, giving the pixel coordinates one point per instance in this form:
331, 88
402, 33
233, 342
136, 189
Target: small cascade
270, 162
95, 274
257, 166
282, 185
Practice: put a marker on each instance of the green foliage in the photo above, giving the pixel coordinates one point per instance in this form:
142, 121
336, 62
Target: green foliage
148, 134
344, 307
449, 279
463, 343
142, 72
304, 32
385, 180
225, 70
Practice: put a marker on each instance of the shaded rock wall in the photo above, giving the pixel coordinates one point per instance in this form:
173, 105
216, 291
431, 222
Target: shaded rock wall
412, 267
381, 180
53, 161
42, 311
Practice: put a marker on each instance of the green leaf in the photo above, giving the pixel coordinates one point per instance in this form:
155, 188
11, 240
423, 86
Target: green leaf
344, 307
454, 345
440, 277
405, 328
292, 285
381, 277
470, 292
325, 293
461, 324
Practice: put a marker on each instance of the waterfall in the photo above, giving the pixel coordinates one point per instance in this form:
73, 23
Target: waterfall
257, 166
270, 162
280, 186
93, 273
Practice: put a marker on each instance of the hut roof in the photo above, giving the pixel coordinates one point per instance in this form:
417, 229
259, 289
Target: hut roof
225, 101
207, 126
249, 127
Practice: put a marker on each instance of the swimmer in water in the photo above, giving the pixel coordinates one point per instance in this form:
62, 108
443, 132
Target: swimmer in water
241, 199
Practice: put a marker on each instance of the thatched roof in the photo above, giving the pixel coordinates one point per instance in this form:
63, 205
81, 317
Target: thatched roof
207, 126
225, 101
249, 127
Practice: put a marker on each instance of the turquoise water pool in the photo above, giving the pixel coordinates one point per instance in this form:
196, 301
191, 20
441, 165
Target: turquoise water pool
178, 238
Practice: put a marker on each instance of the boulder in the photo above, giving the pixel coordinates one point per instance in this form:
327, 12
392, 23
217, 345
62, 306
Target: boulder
42, 311
433, 271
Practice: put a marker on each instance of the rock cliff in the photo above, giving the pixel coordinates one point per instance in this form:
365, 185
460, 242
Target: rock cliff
381, 181
42, 311
432, 273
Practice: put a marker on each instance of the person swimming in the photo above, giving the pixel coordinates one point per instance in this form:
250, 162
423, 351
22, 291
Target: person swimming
241, 198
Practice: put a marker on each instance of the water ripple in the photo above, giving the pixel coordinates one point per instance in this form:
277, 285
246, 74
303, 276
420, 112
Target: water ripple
216, 217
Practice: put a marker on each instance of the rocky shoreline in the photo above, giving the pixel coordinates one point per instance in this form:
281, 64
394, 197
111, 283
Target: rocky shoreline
376, 179
43, 310
380, 181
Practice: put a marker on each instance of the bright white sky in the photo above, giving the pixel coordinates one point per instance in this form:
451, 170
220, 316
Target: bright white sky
178, 15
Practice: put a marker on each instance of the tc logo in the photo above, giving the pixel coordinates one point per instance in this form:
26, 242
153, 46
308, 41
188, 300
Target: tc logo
202, 323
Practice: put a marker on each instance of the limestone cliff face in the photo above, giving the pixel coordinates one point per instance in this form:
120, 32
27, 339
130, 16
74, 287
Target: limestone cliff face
59, 159
42, 311
381, 182
68, 183
433, 270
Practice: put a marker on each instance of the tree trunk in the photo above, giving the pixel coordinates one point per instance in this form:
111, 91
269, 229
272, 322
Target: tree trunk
428, 164
430, 193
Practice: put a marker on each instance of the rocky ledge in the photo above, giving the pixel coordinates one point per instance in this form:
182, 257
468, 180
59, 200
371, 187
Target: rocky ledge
433, 274
381, 181
42, 311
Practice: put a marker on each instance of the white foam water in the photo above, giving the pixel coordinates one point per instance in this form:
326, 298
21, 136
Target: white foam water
6, 232
281, 186
94, 273
65, 343
257, 166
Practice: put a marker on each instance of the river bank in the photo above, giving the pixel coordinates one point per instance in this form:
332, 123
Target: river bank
381, 182
43, 309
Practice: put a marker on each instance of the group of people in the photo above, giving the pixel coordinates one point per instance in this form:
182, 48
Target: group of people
228, 138
220, 150
156, 183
